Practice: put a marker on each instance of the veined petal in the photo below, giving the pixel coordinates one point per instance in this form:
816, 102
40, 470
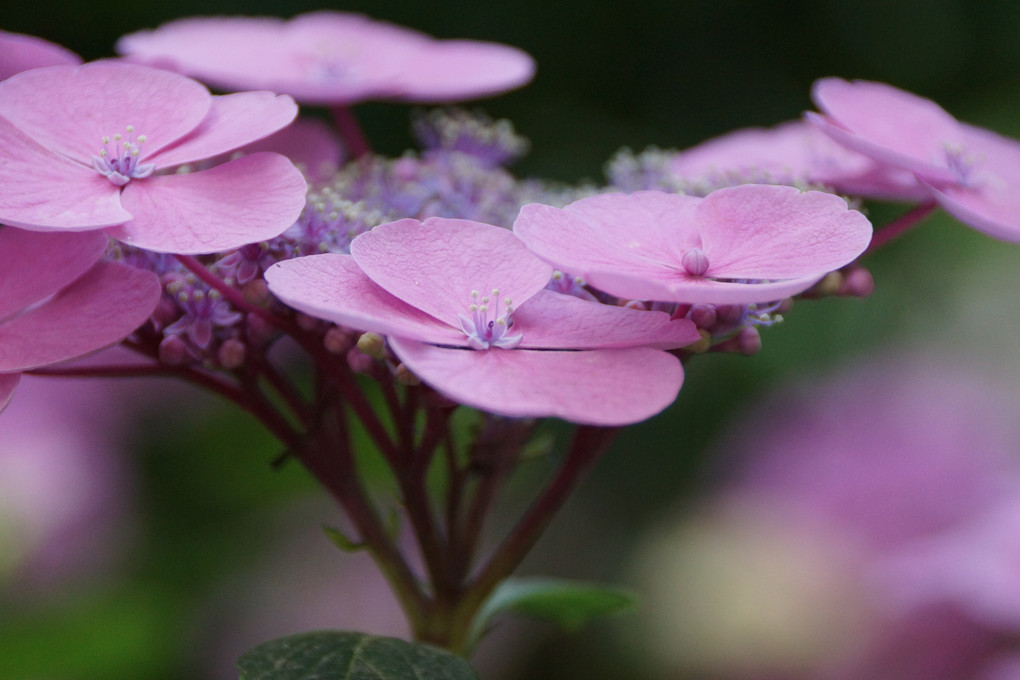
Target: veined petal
435, 265
35, 265
247, 200
233, 121
23, 52
44, 191
757, 231
991, 203
333, 287
594, 387
685, 288
887, 124
8, 383
453, 70
69, 109
97, 310
552, 320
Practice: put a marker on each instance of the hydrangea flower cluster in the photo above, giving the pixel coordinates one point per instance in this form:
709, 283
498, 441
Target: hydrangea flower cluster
438, 277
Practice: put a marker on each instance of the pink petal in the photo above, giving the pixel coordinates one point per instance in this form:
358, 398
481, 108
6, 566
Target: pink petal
45, 191
759, 231
69, 109
435, 265
888, 124
23, 52
550, 320
8, 383
35, 265
97, 310
309, 143
636, 235
684, 288
320, 58
233, 121
793, 152
451, 70
251, 199
991, 202
596, 387
333, 287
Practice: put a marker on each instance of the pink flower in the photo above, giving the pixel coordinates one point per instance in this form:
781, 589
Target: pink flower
330, 58
23, 52
739, 245
465, 308
86, 147
793, 152
58, 302
971, 172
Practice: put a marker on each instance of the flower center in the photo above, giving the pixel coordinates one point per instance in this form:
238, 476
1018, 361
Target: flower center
485, 327
960, 163
118, 159
695, 262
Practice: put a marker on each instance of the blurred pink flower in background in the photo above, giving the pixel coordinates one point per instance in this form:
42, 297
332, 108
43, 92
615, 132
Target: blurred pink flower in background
869, 527
22, 52
65, 483
329, 58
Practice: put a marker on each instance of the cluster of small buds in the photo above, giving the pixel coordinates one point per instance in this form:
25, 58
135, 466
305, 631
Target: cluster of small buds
328, 224
652, 169
493, 143
627, 171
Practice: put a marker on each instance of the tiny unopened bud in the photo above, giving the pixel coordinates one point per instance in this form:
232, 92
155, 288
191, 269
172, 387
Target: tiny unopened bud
703, 345
372, 344
259, 330
337, 340
858, 283
231, 353
359, 361
749, 341
729, 313
256, 292
405, 377
695, 262
829, 285
306, 323
173, 351
703, 316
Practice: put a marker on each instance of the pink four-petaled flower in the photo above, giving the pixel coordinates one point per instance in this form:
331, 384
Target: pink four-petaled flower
739, 245
59, 302
973, 173
465, 308
87, 147
330, 58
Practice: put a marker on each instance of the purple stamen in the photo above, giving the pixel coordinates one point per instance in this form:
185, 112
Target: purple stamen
120, 164
485, 330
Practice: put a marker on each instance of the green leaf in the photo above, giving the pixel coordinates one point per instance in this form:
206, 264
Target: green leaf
568, 604
336, 655
341, 540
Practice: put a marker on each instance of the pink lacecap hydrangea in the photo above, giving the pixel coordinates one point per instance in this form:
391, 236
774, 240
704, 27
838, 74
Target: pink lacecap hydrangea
465, 308
90, 147
971, 172
23, 52
59, 302
792, 152
330, 58
738, 245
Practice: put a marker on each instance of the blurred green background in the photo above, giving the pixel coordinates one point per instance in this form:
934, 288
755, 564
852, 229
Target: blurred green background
610, 74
